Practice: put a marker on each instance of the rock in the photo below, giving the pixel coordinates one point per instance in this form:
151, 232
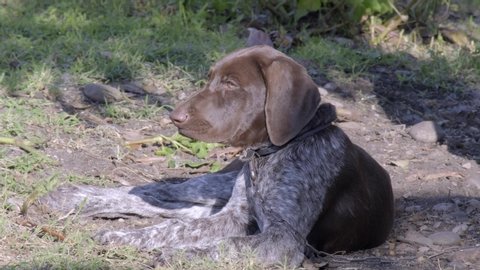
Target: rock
102, 93
460, 216
344, 41
426, 131
413, 208
133, 87
402, 163
323, 91
444, 207
106, 54
460, 229
331, 86
416, 237
258, 37
445, 238
467, 165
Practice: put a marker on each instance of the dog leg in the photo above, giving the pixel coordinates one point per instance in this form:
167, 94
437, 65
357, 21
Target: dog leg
193, 198
232, 220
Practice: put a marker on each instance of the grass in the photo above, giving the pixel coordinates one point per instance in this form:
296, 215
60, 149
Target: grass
43, 39
116, 41
440, 68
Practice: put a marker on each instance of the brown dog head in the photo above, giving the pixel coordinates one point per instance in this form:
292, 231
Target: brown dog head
253, 96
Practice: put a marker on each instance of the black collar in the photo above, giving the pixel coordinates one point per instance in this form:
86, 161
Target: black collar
271, 148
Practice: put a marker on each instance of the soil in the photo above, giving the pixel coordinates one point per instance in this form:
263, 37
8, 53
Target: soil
436, 185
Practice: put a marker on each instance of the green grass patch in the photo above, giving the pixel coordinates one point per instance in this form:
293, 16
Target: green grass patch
29, 118
98, 41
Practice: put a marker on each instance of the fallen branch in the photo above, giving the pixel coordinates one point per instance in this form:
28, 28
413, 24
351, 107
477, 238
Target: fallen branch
159, 139
22, 144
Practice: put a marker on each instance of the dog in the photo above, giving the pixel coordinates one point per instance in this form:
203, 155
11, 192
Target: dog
300, 185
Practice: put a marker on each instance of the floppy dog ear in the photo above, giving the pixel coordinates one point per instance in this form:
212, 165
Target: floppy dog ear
292, 99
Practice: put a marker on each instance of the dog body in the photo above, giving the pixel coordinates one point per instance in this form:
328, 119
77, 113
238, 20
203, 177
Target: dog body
301, 180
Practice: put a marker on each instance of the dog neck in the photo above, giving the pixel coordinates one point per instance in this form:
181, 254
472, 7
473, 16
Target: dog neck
323, 119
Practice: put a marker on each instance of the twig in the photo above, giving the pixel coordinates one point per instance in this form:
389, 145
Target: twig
159, 139
24, 145
44, 229
52, 232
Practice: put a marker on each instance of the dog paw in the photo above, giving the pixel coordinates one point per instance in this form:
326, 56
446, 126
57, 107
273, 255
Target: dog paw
109, 237
86, 200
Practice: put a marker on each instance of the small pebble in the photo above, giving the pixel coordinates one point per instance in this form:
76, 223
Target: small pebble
445, 238
413, 208
467, 165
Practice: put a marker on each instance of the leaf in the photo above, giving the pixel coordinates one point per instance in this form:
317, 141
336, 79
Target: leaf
164, 151
215, 167
171, 163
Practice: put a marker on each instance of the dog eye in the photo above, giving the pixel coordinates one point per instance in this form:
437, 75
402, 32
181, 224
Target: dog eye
230, 83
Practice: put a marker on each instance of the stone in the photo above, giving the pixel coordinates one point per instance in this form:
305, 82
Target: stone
102, 93
133, 87
467, 165
460, 216
460, 229
444, 207
323, 92
331, 86
413, 208
416, 237
445, 238
426, 131
258, 37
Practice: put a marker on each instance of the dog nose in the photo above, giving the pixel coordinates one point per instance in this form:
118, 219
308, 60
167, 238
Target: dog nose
178, 117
